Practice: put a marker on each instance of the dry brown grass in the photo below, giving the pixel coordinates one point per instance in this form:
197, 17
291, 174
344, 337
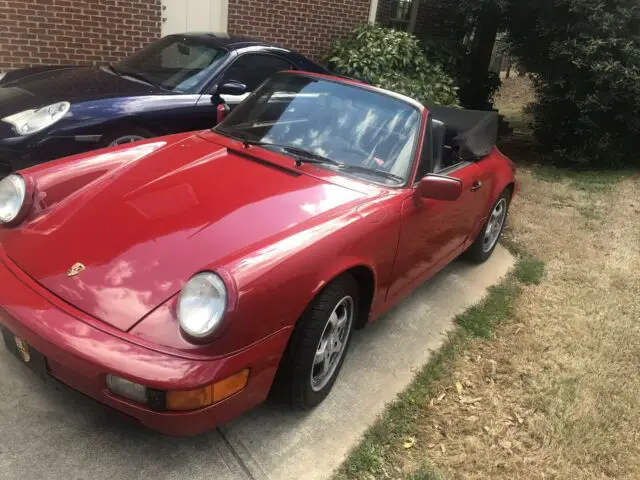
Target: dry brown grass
556, 393
515, 93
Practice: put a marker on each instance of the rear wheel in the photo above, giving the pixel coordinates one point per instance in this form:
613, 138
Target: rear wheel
318, 345
482, 249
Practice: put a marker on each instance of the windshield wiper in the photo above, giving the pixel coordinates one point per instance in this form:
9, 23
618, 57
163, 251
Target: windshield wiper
109, 68
139, 77
302, 155
305, 156
380, 173
132, 75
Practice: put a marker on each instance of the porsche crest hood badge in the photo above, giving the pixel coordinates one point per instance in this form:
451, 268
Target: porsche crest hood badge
76, 269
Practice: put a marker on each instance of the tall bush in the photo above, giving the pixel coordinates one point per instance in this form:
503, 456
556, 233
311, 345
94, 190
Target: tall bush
585, 57
393, 60
476, 89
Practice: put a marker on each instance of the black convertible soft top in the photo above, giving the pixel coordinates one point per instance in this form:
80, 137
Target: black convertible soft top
473, 132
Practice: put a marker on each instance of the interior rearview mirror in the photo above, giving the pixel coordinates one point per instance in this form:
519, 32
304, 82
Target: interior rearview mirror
232, 88
437, 187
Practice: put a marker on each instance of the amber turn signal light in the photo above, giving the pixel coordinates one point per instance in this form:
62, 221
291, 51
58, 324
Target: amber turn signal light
208, 395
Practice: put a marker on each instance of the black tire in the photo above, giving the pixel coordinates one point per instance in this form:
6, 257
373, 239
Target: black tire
124, 132
477, 252
293, 383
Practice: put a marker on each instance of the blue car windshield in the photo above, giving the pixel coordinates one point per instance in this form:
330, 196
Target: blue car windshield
177, 63
356, 130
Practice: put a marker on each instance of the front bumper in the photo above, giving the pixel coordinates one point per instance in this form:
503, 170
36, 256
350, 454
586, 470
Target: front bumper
80, 353
18, 153
10, 160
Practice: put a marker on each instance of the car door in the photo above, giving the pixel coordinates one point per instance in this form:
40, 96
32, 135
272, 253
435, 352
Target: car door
434, 231
180, 107
252, 69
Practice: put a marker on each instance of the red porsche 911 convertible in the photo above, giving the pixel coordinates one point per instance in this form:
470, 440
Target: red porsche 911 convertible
180, 280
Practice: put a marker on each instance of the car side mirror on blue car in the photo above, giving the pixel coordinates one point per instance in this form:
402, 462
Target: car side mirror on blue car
232, 88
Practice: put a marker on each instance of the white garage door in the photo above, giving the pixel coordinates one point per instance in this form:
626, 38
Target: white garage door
180, 16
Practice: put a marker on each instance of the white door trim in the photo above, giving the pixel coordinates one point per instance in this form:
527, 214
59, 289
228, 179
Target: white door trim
182, 16
224, 17
373, 11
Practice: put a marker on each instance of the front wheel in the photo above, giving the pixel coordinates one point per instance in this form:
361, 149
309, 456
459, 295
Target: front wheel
125, 136
487, 240
318, 345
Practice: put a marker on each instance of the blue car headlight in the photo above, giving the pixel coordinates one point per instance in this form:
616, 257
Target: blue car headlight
36, 120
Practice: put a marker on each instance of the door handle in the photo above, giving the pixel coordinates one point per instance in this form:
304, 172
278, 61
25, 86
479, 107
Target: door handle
477, 185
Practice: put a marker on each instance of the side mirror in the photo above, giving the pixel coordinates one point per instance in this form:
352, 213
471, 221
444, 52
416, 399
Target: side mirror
438, 187
232, 88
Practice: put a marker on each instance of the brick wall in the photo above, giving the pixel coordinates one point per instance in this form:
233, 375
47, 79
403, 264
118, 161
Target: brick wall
36, 32
305, 25
74, 31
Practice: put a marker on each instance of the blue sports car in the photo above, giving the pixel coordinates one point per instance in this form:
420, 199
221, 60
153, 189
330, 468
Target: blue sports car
172, 85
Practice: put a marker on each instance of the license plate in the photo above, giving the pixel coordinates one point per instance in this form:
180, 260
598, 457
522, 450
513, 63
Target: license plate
26, 354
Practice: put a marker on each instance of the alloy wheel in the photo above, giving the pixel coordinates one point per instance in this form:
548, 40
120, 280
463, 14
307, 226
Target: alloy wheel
494, 225
126, 139
332, 344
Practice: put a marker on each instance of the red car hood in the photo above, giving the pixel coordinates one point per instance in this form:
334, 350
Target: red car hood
143, 230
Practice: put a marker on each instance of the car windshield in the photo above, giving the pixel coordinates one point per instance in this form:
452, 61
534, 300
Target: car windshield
357, 130
177, 63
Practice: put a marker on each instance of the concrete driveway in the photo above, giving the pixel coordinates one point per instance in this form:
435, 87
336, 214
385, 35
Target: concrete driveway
48, 431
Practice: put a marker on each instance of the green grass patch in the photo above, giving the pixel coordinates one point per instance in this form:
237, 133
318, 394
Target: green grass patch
529, 270
423, 473
373, 455
591, 181
496, 306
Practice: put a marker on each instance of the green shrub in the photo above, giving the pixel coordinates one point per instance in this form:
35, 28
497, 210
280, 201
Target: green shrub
476, 90
393, 60
585, 59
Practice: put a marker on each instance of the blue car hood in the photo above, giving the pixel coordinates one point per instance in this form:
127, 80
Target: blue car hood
73, 84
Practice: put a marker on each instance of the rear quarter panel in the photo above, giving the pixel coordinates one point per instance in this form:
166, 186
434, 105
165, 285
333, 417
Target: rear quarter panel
497, 172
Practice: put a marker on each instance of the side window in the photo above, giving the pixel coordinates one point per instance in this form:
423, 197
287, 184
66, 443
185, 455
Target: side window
254, 68
427, 152
436, 155
442, 156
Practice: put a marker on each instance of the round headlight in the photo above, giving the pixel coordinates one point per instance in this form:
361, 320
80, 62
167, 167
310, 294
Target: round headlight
202, 304
12, 194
